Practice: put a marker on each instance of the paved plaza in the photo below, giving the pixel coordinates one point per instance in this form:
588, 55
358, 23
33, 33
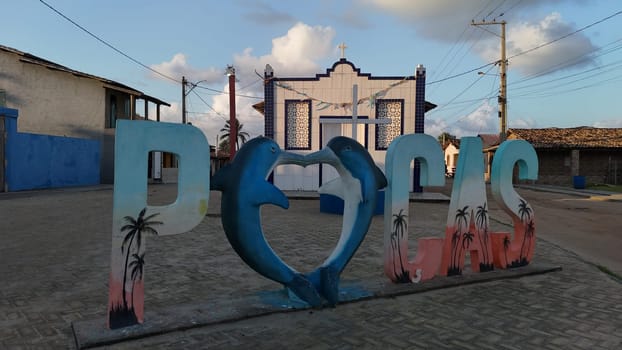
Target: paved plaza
55, 249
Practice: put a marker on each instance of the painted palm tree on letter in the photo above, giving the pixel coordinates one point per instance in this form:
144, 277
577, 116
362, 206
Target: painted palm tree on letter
399, 227
137, 266
136, 228
462, 225
524, 210
506, 246
481, 219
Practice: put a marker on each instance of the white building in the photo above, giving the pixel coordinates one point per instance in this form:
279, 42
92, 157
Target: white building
303, 113
56, 100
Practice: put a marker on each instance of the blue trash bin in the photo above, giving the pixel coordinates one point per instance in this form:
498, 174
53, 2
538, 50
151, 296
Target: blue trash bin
578, 182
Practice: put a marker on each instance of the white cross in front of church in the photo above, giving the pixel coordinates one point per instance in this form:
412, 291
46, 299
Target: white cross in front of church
355, 120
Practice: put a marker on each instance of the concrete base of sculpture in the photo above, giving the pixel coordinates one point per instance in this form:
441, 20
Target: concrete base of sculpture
94, 333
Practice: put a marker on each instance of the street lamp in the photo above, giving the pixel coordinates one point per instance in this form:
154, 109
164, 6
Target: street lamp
233, 125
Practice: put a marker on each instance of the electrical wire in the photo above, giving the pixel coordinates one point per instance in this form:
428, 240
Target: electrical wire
565, 36
108, 44
209, 106
130, 57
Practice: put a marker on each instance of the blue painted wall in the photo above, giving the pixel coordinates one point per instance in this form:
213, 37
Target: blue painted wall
43, 161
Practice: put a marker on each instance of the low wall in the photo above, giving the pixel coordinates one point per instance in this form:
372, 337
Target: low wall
43, 161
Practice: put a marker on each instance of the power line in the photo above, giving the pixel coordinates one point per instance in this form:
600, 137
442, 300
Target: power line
495, 9
461, 74
108, 44
128, 56
208, 105
527, 51
219, 92
462, 92
567, 35
572, 61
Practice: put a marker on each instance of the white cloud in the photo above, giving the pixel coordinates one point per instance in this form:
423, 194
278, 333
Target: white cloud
612, 123
573, 51
522, 124
484, 120
170, 114
449, 21
178, 66
294, 54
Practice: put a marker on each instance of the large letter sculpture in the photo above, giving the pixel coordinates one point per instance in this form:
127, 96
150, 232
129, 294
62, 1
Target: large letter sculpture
133, 219
401, 152
467, 219
518, 251
244, 189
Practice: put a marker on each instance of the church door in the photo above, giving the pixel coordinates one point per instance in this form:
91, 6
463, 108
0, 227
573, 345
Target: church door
330, 130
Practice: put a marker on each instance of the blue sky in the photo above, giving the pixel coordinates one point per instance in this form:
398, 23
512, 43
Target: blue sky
574, 81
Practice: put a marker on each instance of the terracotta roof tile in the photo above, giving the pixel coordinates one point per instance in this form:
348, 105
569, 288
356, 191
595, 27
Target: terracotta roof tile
579, 137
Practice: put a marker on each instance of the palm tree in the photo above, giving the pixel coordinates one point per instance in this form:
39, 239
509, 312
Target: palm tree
399, 227
525, 214
524, 210
224, 145
137, 266
481, 219
136, 228
506, 246
242, 135
455, 238
529, 232
460, 220
467, 239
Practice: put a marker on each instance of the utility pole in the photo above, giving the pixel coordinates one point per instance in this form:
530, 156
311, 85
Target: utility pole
503, 109
233, 125
183, 99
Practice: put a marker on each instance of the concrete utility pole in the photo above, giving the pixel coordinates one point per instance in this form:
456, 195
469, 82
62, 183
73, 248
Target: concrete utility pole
233, 123
503, 111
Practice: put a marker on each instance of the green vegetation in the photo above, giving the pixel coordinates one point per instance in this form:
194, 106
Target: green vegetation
612, 188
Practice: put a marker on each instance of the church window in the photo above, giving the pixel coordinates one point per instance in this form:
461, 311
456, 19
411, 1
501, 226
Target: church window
298, 124
392, 110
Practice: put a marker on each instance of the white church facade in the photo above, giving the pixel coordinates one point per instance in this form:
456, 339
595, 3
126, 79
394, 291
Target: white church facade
303, 113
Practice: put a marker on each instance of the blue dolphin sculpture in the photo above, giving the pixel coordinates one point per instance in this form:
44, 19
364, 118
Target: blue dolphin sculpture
244, 189
358, 185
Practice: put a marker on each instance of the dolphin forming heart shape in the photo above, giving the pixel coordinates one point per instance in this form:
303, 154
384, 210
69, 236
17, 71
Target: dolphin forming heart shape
244, 189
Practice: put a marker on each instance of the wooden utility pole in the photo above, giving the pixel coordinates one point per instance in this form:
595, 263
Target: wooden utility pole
233, 122
183, 99
503, 109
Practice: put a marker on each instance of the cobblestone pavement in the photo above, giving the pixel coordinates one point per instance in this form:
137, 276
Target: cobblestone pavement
55, 248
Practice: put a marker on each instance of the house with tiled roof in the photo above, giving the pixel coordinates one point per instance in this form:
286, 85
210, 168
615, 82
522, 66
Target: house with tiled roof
451, 149
58, 101
563, 153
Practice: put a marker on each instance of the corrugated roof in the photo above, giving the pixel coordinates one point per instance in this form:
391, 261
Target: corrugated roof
579, 137
32, 59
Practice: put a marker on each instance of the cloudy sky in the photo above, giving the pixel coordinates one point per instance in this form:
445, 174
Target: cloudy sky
565, 62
